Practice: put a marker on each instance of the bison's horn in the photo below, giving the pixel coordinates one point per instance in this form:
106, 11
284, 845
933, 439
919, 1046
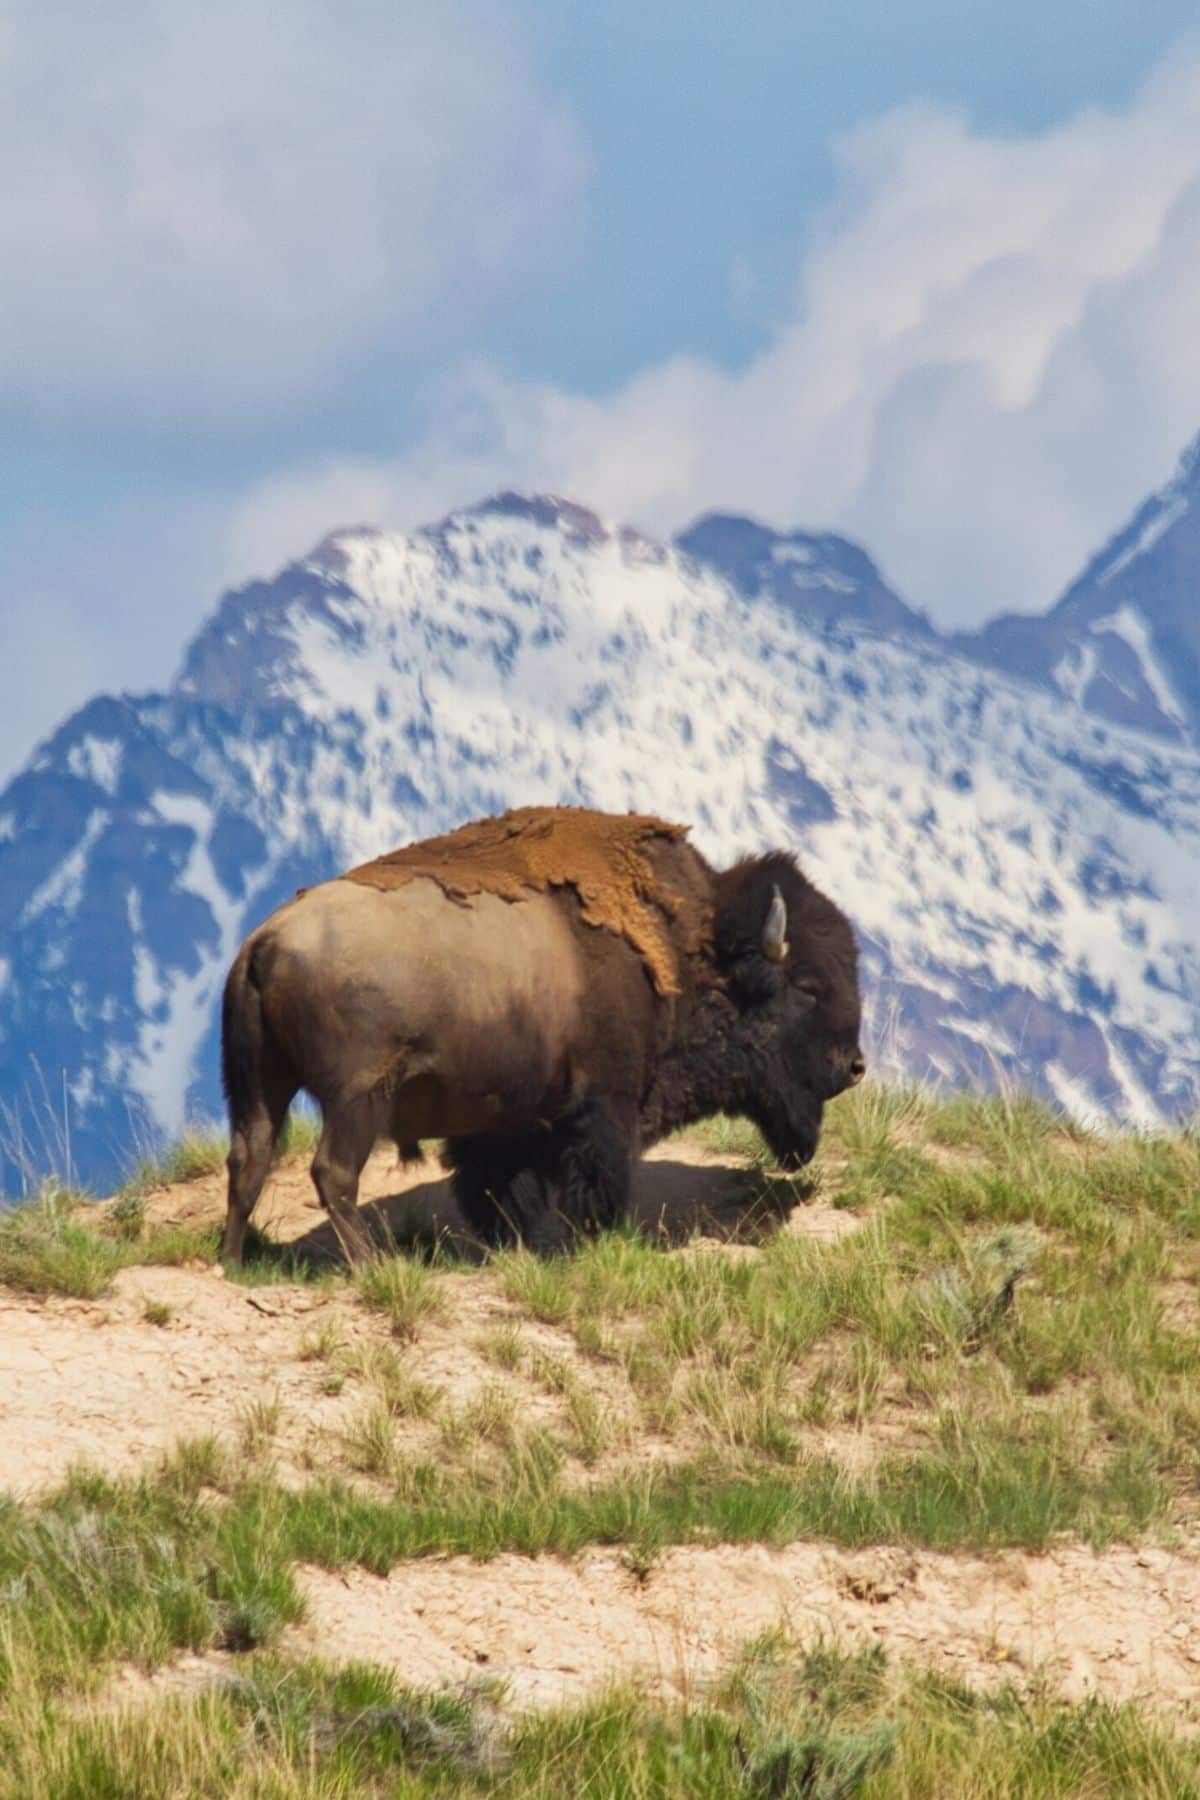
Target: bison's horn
774, 938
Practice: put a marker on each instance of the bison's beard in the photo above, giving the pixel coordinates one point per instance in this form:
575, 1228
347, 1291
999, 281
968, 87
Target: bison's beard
791, 1125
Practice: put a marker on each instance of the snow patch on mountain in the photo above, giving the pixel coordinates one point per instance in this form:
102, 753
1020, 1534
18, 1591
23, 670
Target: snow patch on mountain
98, 760
1129, 625
1072, 673
803, 558
63, 887
1169, 509
178, 1004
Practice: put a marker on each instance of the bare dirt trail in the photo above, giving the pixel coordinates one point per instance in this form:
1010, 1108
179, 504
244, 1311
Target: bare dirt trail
1124, 1624
102, 1382
97, 1382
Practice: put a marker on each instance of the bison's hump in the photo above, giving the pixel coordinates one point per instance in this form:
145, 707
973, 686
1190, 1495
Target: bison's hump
602, 856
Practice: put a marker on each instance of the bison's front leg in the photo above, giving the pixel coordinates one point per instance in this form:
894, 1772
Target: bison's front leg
594, 1151
584, 1162
498, 1187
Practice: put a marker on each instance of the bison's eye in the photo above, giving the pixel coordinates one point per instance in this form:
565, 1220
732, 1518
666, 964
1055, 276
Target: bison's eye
805, 994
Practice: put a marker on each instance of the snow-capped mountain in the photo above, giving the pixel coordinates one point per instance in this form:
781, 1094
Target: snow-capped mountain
1022, 873
1124, 640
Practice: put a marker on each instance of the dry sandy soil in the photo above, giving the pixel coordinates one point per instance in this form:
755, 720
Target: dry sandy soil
96, 1381
1124, 1624
99, 1381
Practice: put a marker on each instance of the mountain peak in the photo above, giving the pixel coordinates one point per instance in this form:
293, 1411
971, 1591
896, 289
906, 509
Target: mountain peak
819, 577
1152, 522
553, 511
1124, 639
333, 552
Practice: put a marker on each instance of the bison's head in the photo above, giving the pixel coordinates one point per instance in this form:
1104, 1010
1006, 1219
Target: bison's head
790, 966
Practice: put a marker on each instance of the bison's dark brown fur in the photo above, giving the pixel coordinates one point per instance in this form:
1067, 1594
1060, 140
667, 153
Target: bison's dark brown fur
550, 993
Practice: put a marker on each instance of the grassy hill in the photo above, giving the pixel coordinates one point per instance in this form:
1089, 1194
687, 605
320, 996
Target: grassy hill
879, 1481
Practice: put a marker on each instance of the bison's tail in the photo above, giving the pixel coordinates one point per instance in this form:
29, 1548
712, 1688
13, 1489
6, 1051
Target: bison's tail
243, 1040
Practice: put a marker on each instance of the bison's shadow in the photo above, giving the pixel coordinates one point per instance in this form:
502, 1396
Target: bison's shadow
673, 1202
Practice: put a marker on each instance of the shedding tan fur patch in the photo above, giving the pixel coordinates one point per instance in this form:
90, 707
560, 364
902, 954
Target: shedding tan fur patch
601, 855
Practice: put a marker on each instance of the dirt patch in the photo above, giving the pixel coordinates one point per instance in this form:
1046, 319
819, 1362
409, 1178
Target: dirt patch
98, 1382
102, 1382
1123, 1625
1180, 1302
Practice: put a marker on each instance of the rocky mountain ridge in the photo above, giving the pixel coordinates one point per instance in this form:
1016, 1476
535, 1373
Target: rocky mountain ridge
1124, 640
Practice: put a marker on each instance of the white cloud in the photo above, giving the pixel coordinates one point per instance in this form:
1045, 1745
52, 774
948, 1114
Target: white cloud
212, 212
991, 358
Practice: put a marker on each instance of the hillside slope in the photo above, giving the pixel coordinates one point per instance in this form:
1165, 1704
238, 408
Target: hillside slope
936, 1396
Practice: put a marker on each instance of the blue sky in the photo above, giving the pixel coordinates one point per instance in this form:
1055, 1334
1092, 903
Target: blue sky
712, 128
925, 273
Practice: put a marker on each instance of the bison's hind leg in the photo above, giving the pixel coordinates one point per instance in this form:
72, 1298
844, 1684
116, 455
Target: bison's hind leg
594, 1157
348, 1135
260, 1084
254, 1130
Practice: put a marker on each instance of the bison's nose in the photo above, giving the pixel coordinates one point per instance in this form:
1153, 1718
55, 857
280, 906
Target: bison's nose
857, 1069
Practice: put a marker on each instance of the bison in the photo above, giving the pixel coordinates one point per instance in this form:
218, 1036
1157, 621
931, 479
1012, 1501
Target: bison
549, 992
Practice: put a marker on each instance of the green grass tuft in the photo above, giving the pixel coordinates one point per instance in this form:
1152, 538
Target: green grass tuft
43, 1250
401, 1288
301, 1132
733, 1137
201, 1150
